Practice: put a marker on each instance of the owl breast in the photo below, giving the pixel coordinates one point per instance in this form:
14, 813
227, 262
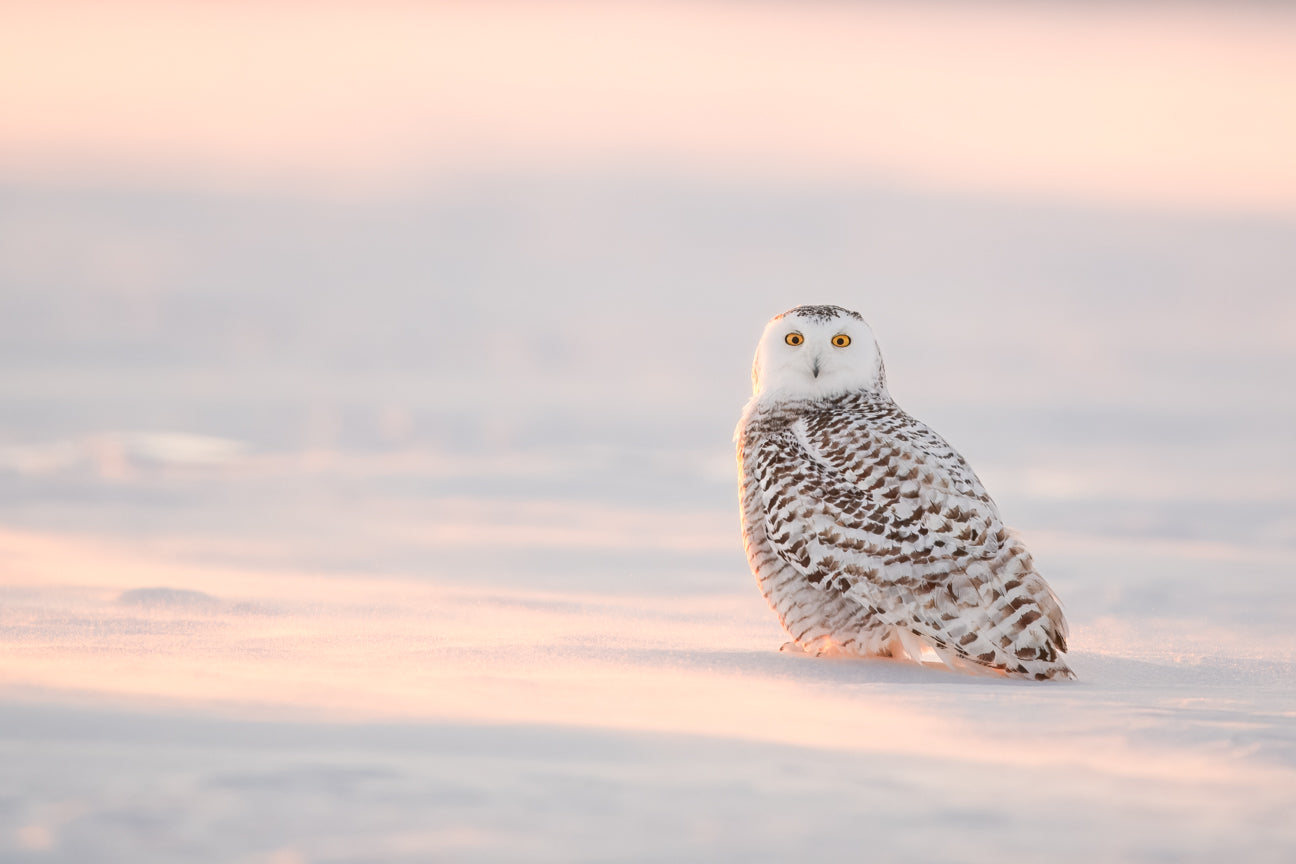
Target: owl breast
821, 620
869, 535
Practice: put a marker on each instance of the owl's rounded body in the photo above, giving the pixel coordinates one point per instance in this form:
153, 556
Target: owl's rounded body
867, 533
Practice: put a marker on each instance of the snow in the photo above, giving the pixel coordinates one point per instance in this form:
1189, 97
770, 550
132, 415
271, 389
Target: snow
404, 526
299, 717
323, 602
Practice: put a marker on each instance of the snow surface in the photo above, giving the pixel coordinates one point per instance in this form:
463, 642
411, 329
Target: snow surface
299, 717
283, 577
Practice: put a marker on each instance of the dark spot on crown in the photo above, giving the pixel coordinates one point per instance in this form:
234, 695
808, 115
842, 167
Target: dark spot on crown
820, 314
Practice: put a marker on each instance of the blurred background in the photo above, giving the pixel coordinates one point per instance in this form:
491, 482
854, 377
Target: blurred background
469, 291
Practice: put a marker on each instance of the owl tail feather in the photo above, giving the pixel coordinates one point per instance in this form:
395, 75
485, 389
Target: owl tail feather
1008, 666
912, 646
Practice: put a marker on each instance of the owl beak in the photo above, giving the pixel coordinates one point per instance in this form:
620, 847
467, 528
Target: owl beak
814, 370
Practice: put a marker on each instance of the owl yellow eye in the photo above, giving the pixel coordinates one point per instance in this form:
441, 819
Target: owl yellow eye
841, 340
794, 338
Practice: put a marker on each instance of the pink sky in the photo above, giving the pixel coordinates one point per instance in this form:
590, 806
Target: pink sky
1146, 104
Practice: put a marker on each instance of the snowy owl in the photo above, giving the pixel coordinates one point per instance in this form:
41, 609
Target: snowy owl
868, 534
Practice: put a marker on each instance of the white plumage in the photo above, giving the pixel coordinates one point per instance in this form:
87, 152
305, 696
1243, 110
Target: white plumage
867, 533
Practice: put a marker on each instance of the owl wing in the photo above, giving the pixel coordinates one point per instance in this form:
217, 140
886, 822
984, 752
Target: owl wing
870, 503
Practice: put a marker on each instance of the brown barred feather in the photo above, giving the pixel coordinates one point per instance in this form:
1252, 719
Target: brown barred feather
869, 535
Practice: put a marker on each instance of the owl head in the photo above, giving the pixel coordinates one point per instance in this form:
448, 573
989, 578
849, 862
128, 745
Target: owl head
817, 352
